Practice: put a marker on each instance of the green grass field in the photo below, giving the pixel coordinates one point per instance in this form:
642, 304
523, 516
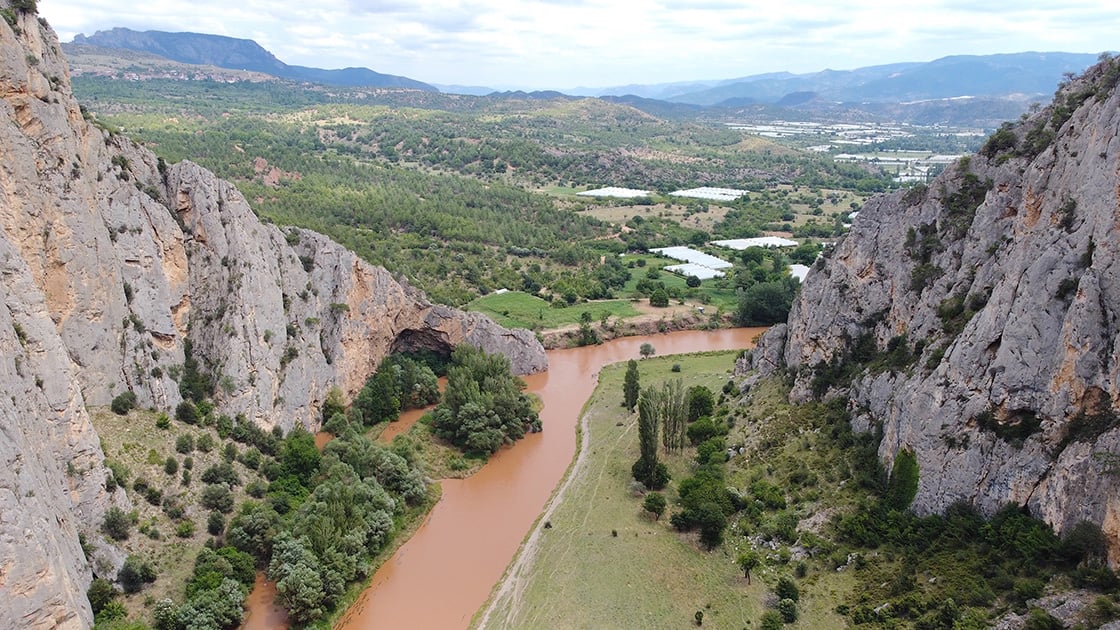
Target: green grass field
646, 576
521, 310
605, 563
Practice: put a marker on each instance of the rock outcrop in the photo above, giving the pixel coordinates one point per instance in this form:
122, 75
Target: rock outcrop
114, 265
975, 322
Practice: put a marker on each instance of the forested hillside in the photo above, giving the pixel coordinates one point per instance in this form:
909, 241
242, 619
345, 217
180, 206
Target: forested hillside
485, 182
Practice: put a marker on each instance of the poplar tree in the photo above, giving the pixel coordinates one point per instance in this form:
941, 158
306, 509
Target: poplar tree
631, 387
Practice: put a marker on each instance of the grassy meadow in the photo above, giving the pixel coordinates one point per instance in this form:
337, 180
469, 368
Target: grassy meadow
606, 563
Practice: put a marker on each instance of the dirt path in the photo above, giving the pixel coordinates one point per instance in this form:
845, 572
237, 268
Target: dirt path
508, 592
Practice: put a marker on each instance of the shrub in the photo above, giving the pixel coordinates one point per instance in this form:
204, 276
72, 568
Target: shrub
184, 443
163, 422
654, 503
771, 620
135, 573
215, 523
171, 466
100, 593
787, 608
787, 589
123, 403
218, 497
185, 529
186, 412
117, 524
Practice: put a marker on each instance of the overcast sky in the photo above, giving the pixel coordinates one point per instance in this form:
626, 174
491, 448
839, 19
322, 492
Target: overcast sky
568, 43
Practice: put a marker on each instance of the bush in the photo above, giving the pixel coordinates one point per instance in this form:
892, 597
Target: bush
185, 529
787, 608
123, 403
100, 593
171, 465
186, 412
655, 504
163, 422
215, 523
771, 620
135, 573
184, 443
787, 589
218, 497
117, 524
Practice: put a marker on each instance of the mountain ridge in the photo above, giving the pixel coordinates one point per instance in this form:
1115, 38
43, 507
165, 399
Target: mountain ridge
239, 54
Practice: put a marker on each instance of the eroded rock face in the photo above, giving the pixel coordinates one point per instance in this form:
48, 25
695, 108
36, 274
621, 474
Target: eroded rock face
110, 263
1004, 276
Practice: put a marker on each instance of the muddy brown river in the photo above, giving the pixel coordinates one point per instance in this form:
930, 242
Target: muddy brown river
442, 575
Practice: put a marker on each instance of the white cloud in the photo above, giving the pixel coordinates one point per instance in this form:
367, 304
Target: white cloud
564, 43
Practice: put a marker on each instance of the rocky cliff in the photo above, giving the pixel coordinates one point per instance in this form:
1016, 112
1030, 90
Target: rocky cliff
975, 322
112, 265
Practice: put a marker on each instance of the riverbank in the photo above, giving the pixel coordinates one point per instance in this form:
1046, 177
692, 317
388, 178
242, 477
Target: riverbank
473, 533
602, 561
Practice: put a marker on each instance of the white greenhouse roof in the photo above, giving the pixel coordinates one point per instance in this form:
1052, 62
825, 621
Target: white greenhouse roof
762, 241
715, 194
689, 255
692, 269
798, 271
612, 191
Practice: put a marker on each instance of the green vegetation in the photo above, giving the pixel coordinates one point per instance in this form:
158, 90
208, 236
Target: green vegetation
397, 180
517, 309
871, 564
483, 406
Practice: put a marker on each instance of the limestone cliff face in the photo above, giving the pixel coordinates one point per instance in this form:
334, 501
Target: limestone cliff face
110, 262
1004, 277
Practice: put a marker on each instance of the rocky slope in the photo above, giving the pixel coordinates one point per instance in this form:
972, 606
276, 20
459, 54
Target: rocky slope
112, 264
976, 322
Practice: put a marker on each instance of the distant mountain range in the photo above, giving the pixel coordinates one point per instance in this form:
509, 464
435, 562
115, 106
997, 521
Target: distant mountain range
964, 90
1023, 74
239, 54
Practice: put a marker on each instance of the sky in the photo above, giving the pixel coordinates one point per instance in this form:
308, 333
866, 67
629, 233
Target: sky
563, 44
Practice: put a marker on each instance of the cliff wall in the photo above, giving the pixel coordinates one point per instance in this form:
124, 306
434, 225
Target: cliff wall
110, 263
975, 321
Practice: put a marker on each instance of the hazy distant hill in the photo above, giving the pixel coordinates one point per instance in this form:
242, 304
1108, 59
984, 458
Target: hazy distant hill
1027, 73
238, 54
962, 75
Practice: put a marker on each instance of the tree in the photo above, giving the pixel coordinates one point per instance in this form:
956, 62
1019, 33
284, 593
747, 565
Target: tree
646, 350
659, 298
749, 560
692, 282
766, 303
647, 469
701, 402
712, 522
100, 593
674, 414
631, 386
655, 504
215, 523
379, 400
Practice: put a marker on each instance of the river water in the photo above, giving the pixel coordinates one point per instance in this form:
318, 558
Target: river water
445, 572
